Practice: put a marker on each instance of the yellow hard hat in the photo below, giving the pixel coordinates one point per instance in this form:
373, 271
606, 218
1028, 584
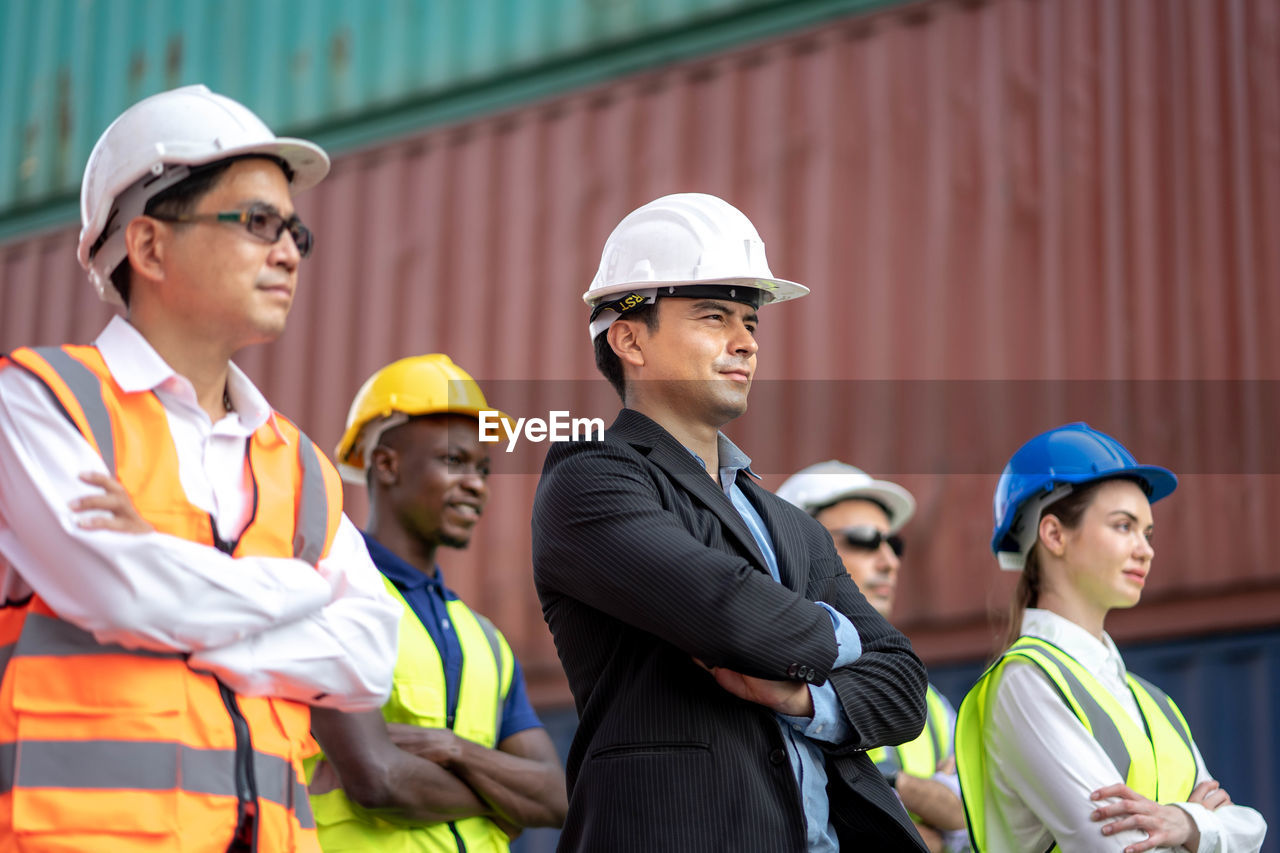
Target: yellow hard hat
418, 385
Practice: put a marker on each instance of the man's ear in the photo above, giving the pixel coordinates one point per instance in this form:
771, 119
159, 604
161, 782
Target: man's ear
147, 241
384, 465
627, 340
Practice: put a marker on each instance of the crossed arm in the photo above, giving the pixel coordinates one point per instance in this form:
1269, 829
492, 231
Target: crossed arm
600, 507
416, 774
70, 534
939, 808
422, 775
1066, 780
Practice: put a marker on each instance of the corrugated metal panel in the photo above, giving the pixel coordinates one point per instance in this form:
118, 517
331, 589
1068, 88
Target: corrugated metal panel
343, 72
1012, 213
1228, 686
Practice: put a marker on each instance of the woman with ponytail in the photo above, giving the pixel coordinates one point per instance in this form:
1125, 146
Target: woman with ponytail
1058, 746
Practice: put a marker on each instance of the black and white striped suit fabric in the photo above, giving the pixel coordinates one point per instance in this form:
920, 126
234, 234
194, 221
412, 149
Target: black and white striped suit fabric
644, 569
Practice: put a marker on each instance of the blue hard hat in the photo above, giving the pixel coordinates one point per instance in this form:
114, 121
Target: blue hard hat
1057, 460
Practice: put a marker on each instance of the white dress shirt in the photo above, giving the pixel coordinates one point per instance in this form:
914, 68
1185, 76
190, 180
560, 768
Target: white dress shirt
264, 625
1044, 764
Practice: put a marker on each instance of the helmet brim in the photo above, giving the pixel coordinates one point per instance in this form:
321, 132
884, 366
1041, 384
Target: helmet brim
896, 500
778, 289
349, 455
1160, 482
308, 161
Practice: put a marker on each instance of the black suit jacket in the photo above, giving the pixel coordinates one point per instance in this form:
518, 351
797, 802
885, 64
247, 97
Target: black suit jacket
643, 566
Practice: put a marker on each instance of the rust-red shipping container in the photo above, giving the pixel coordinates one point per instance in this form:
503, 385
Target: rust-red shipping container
1011, 213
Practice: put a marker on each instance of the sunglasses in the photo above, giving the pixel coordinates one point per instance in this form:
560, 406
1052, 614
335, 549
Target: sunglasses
865, 537
260, 220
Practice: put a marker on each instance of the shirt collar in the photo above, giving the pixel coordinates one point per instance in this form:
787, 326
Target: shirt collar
136, 366
1093, 654
732, 459
400, 573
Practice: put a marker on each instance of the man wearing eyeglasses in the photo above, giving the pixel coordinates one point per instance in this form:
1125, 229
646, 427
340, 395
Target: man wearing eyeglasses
181, 582
864, 517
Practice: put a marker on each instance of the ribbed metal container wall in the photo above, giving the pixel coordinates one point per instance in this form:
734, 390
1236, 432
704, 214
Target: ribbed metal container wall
1011, 213
347, 69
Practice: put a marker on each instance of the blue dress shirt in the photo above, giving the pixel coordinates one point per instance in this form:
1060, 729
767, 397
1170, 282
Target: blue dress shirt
829, 722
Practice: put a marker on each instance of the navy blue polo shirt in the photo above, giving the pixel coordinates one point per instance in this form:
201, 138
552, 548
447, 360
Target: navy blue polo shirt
426, 597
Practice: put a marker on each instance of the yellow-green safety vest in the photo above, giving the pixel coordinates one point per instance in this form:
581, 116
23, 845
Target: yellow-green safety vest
920, 757
418, 697
1160, 766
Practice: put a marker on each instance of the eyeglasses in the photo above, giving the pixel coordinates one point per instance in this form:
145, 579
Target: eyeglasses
260, 220
865, 537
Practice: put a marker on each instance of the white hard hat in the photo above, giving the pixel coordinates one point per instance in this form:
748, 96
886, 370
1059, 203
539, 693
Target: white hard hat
827, 483
678, 241
158, 139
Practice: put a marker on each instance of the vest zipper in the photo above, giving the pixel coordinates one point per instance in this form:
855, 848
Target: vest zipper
246, 785
246, 834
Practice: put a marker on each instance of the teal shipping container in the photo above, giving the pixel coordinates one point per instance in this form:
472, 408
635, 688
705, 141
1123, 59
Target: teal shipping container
346, 73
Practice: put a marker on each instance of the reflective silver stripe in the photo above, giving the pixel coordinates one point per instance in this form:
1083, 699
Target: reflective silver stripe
1104, 728
278, 783
206, 771
302, 806
116, 765
313, 506
45, 636
1165, 704
495, 645
98, 764
275, 777
6, 652
144, 766
87, 389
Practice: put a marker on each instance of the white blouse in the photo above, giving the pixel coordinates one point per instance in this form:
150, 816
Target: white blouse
1044, 764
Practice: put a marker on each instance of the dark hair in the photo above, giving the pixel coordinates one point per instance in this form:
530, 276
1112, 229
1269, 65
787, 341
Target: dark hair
1069, 510
180, 199
607, 361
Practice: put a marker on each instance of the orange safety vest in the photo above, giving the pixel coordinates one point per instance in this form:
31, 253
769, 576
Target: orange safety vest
104, 748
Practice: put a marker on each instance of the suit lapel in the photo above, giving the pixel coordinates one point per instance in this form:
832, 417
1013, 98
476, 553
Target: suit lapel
788, 547
683, 469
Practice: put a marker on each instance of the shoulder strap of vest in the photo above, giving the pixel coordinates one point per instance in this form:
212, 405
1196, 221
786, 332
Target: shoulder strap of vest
504, 683
1165, 704
320, 501
84, 386
310, 532
1051, 660
938, 723
491, 635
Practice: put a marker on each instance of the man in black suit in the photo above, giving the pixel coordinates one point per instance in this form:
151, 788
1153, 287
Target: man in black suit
728, 675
